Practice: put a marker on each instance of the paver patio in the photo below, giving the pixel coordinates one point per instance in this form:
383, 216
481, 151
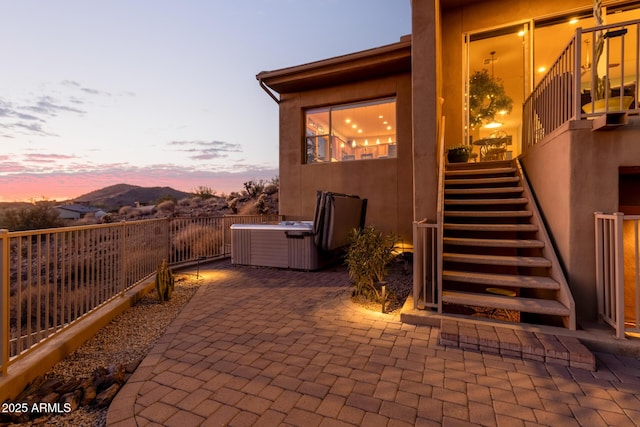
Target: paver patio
270, 347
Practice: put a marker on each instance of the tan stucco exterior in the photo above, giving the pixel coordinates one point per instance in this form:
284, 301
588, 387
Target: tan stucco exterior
386, 183
573, 173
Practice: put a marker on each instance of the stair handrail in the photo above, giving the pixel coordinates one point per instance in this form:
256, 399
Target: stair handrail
440, 213
556, 272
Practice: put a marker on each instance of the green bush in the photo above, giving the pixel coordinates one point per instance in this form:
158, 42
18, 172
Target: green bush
35, 217
368, 255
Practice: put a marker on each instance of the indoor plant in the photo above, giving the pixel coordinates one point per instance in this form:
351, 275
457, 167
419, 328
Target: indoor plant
487, 97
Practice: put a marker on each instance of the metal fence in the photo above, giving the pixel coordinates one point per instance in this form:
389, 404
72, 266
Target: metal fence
618, 271
53, 278
575, 87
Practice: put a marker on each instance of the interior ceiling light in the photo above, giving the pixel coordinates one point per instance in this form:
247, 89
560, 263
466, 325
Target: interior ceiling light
573, 21
347, 121
521, 33
493, 124
542, 69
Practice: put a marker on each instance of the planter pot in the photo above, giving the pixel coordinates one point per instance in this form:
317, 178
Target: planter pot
458, 156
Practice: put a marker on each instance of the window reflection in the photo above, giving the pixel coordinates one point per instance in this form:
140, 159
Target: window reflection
359, 131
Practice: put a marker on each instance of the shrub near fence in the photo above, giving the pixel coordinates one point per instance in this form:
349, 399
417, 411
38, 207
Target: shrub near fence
52, 278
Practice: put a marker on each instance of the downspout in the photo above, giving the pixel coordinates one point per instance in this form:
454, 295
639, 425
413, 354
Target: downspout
268, 90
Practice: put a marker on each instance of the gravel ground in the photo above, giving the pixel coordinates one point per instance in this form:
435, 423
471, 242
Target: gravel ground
399, 285
127, 338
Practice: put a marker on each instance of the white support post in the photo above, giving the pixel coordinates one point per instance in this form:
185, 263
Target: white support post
619, 274
417, 264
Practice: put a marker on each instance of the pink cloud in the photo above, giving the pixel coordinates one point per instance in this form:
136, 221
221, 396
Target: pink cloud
68, 185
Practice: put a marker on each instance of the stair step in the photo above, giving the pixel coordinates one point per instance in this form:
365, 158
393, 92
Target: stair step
479, 171
481, 181
494, 243
487, 190
528, 305
509, 280
489, 214
510, 201
505, 260
491, 227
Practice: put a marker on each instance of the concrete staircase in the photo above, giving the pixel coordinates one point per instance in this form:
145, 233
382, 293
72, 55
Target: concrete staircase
497, 256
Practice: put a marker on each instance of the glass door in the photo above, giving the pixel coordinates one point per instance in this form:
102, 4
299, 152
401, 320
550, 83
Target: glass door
497, 79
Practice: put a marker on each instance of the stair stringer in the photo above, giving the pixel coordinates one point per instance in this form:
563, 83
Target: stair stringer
564, 294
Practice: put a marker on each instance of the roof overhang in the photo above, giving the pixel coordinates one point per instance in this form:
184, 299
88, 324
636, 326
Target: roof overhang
379, 62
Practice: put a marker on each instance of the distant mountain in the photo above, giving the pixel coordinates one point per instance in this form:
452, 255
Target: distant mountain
115, 196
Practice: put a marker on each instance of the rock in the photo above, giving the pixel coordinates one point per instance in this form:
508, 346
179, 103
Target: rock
49, 385
72, 398
69, 387
89, 395
117, 373
105, 397
50, 398
131, 367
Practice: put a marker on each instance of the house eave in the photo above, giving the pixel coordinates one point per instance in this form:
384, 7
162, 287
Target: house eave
377, 62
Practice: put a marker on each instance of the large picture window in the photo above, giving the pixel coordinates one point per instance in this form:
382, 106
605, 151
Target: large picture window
359, 131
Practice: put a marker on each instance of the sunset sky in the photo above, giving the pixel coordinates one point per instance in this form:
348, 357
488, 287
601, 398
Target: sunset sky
159, 93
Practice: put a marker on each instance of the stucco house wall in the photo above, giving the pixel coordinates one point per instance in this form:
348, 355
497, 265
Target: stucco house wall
575, 173
386, 183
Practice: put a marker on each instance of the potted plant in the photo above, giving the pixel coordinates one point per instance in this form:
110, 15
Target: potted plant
459, 154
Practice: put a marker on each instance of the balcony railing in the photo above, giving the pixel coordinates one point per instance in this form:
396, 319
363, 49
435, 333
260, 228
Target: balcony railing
53, 278
569, 91
618, 271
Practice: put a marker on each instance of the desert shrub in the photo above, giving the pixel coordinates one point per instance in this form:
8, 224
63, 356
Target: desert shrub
37, 216
253, 188
88, 219
133, 213
164, 281
204, 192
184, 202
247, 209
368, 255
195, 202
260, 204
270, 189
167, 207
196, 240
233, 205
124, 210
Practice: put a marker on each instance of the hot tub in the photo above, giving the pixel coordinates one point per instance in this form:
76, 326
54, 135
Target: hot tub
300, 245
285, 245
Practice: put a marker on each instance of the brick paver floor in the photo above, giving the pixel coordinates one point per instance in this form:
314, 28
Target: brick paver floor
275, 347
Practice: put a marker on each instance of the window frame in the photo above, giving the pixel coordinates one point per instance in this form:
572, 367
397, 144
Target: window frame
318, 148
